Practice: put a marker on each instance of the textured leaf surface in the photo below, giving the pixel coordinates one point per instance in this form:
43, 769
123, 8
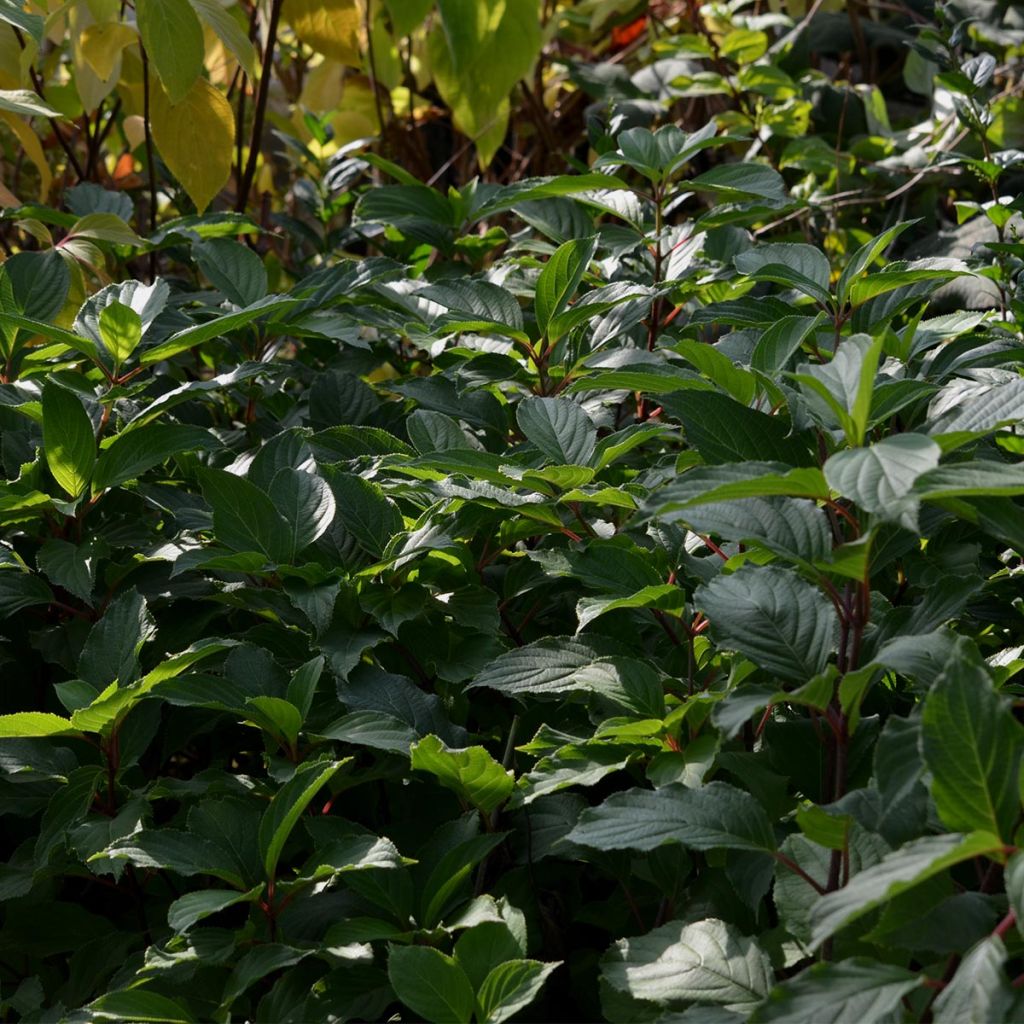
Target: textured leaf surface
705, 962
717, 815
972, 745
773, 617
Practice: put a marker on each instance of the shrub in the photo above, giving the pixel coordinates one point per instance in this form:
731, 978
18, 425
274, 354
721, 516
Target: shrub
591, 601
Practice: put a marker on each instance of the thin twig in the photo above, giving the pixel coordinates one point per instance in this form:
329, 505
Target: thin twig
260, 109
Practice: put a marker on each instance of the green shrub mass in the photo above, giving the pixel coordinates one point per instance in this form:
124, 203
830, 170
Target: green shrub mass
587, 596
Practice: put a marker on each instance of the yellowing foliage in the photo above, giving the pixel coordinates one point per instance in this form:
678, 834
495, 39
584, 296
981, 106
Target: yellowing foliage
195, 139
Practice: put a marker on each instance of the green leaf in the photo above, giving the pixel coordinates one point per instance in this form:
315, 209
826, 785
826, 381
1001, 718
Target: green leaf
39, 281
194, 906
793, 264
288, 804
26, 103
781, 340
484, 946
366, 512
184, 853
511, 987
559, 428
972, 745
880, 478
776, 619
12, 12
740, 480
218, 327
979, 991
21, 590
276, 716
560, 278
471, 772
257, 963
173, 39
112, 648
742, 182
791, 527
663, 596
306, 505
554, 666
68, 439
231, 34
716, 816
970, 479
132, 453
139, 1005
120, 330
67, 565
911, 864
104, 227
843, 388
723, 430
244, 518
374, 729
234, 269
27, 724
862, 259
707, 962
851, 990
431, 984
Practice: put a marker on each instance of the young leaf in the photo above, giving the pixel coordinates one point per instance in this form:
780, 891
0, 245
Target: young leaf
560, 278
471, 772
68, 439
431, 984
510, 987
288, 804
120, 330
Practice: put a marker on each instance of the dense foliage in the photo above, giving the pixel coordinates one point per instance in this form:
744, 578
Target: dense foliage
588, 595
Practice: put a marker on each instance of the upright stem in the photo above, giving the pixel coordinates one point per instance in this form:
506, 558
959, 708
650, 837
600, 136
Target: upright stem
150, 158
37, 84
260, 110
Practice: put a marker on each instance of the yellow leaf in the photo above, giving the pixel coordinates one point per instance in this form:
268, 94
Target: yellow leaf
10, 59
33, 149
330, 27
356, 116
92, 89
102, 45
322, 88
478, 52
195, 138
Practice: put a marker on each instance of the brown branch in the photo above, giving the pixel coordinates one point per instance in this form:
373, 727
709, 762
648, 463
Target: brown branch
260, 110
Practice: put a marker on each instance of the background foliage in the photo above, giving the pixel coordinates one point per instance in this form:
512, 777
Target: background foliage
511, 510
